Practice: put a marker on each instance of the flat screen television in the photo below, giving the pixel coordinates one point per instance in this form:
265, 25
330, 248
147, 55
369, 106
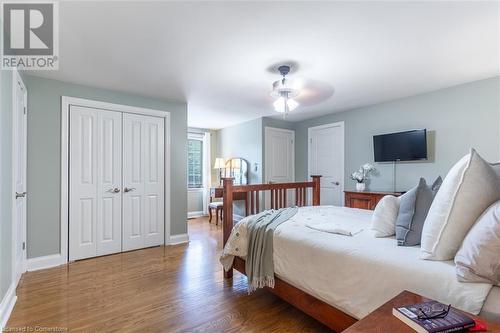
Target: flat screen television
402, 146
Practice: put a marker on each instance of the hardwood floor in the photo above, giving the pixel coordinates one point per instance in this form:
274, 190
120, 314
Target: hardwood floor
162, 289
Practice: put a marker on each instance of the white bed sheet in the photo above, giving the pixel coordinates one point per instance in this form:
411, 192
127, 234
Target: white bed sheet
358, 274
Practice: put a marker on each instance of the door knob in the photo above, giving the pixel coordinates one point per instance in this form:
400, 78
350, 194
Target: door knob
336, 183
114, 190
128, 189
20, 195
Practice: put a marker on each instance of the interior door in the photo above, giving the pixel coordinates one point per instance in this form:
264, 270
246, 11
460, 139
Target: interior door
19, 114
109, 180
279, 159
95, 182
326, 158
143, 181
83, 183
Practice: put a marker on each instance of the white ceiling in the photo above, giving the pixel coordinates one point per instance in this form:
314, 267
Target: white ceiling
217, 55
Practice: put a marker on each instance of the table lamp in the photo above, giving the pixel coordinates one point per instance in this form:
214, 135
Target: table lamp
220, 164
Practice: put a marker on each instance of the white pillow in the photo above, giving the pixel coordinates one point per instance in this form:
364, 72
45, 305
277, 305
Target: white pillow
384, 217
477, 260
496, 168
468, 189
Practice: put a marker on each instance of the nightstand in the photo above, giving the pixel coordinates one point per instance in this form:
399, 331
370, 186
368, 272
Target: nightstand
382, 320
365, 199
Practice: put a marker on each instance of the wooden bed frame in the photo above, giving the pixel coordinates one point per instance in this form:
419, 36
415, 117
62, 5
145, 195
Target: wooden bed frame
321, 311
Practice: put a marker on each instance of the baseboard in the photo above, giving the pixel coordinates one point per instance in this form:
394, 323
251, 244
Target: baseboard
53, 260
178, 239
195, 214
7, 305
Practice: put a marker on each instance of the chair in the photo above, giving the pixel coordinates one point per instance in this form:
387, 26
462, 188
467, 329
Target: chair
218, 206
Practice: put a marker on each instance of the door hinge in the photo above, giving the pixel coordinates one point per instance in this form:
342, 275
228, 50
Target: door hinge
311, 140
25, 110
24, 245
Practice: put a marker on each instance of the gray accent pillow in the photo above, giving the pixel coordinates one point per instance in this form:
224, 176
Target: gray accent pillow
413, 209
477, 260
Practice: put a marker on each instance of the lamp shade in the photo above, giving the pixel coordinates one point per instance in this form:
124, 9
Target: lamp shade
219, 163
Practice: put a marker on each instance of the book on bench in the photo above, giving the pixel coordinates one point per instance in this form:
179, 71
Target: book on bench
412, 316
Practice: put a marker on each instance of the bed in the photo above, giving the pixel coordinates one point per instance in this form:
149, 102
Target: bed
335, 293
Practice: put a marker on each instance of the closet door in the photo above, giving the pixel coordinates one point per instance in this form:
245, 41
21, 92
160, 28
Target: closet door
143, 181
83, 183
95, 182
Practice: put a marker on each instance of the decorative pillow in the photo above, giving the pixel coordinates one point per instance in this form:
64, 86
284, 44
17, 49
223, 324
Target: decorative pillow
469, 188
413, 209
477, 260
384, 216
496, 168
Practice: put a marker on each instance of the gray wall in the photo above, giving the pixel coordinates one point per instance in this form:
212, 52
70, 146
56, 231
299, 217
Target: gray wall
194, 200
277, 123
457, 118
243, 140
5, 181
44, 123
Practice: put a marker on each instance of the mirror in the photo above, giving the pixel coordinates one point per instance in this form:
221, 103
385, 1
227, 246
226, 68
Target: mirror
238, 169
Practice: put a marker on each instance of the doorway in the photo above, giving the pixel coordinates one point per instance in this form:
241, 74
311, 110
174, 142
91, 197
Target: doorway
279, 159
326, 158
115, 178
19, 163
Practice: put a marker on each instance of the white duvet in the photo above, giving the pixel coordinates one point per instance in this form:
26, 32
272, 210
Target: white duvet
357, 274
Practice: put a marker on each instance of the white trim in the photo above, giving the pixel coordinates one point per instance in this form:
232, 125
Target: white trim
16, 77
7, 305
342, 127
266, 167
66, 102
195, 214
178, 239
207, 170
196, 136
196, 189
53, 260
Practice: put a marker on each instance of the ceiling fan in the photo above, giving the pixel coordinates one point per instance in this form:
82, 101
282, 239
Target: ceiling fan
299, 91
284, 91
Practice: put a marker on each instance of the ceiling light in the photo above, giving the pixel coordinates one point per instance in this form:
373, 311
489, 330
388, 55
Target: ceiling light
284, 92
283, 104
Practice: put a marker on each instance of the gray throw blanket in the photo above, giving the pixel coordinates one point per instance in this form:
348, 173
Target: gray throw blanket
259, 265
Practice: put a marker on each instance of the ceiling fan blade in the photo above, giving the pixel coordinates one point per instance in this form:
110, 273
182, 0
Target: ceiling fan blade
313, 91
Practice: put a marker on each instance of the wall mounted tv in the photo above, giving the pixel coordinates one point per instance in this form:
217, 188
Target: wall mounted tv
401, 146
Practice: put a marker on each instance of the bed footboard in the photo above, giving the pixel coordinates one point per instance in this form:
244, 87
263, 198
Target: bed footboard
279, 197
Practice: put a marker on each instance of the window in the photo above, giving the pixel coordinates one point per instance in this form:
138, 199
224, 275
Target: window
195, 163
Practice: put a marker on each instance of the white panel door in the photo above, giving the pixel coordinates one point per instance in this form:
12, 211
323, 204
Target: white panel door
109, 179
83, 183
326, 158
143, 181
279, 159
19, 114
154, 182
95, 182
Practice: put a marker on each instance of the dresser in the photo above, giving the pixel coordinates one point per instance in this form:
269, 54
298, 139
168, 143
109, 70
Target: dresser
365, 199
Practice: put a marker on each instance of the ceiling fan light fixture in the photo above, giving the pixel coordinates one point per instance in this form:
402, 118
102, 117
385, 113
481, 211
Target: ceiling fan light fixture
284, 105
284, 91
292, 104
284, 86
279, 104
